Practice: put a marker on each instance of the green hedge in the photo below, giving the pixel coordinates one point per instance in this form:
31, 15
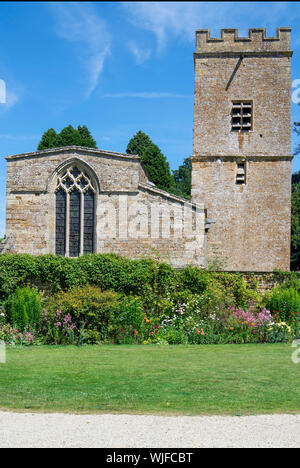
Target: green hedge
144, 277
107, 271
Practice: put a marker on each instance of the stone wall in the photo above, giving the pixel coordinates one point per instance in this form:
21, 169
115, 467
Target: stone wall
252, 230
157, 226
252, 219
265, 281
133, 218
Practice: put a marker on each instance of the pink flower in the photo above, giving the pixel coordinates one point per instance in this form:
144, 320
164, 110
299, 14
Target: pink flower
257, 320
67, 319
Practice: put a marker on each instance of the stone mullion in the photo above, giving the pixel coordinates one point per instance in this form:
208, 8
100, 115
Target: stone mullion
82, 224
242, 114
68, 224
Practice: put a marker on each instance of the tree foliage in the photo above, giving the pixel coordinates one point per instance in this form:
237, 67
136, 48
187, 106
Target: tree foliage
138, 143
158, 168
296, 178
183, 177
69, 136
297, 130
154, 161
295, 234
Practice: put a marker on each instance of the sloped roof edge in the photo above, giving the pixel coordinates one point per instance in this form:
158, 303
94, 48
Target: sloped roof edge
94, 151
169, 195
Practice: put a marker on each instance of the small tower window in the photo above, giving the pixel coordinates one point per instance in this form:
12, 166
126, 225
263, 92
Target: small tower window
242, 116
241, 173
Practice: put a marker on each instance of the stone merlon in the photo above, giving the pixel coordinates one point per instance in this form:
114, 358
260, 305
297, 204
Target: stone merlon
256, 42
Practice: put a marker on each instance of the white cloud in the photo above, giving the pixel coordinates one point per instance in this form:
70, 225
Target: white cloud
146, 95
79, 23
179, 20
10, 100
8, 136
167, 19
141, 55
2, 92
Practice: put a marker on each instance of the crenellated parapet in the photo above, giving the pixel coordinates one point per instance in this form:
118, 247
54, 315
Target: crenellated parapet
256, 42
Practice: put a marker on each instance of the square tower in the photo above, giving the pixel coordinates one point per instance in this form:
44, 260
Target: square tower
241, 162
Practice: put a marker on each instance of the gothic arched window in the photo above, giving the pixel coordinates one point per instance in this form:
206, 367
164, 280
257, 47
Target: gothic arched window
75, 213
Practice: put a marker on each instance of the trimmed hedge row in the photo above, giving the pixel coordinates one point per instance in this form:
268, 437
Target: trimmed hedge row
112, 272
55, 273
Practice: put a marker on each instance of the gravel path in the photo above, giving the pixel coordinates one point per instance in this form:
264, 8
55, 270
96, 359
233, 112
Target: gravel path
130, 431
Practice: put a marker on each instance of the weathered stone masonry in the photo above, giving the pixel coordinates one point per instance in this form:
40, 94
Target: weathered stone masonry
241, 175
124, 198
252, 230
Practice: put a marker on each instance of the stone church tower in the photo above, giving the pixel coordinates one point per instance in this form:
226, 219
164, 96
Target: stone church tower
75, 200
241, 163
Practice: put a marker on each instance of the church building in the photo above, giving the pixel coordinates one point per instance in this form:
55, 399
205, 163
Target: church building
73, 201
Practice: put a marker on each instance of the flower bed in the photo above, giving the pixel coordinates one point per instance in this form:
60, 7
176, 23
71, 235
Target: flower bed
189, 307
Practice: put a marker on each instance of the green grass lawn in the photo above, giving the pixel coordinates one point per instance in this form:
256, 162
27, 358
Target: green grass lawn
222, 379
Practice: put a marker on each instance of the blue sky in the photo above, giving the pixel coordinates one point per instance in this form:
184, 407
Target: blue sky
116, 67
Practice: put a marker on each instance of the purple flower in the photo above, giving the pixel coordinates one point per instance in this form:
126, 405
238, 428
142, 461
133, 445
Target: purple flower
257, 319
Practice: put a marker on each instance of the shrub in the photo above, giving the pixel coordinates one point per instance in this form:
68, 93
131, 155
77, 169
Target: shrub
280, 333
130, 321
217, 300
89, 307
15, 271
11, 335
144, 277
2, 315
210, 331
235, 285
100, 315
56, 273
288, 279
89, 337
107, 271
194, 279
175, 336
24, 308
284, 304
57, 328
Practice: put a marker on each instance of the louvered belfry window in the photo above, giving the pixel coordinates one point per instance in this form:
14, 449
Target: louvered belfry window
242, 116
75, 213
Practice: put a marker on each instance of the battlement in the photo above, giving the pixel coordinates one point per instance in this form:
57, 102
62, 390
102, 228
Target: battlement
257, 41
